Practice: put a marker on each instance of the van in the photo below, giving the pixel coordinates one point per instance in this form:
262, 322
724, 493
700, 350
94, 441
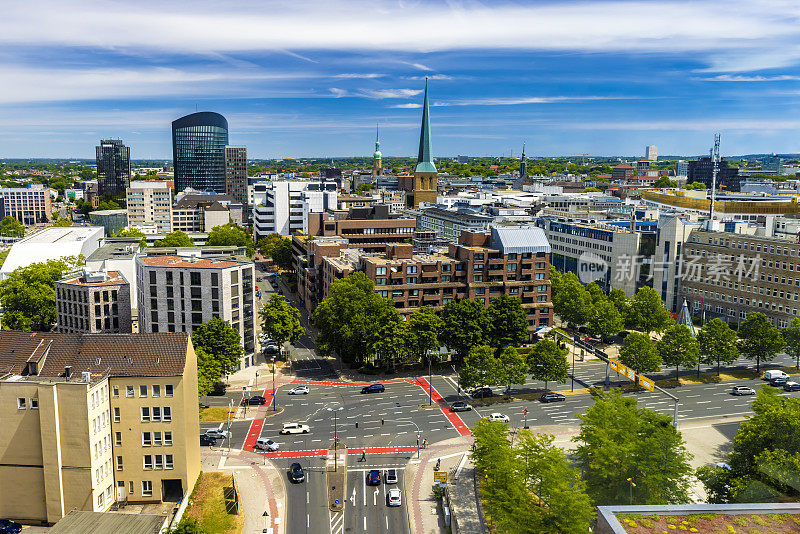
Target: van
774, 373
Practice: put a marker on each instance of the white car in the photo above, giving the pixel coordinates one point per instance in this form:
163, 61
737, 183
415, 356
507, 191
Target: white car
295, 428
299, 390
217, 433
266, 444
498, 417
393, 497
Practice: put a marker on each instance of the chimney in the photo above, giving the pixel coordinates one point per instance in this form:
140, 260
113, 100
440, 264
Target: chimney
67, 371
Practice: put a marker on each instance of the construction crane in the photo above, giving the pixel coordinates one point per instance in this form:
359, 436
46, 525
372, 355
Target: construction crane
583, 156
715, 169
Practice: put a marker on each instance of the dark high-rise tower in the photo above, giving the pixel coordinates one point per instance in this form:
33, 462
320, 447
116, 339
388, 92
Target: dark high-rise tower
523, 164
198, 151
236, 172
113, 169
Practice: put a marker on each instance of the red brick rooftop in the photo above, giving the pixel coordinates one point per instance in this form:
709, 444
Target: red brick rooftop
113, 278
184, 261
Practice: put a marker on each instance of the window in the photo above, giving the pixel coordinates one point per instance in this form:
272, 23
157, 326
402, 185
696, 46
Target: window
411, 269
159, 461
167, 413
142, 391
156, 390
168, 390
156, 413
148, 461
34, 404
380, 270
21, 403
130, 487
147, 440
145, 414
119, 463
118, 439
129, 391
168, 461
168, 437
147, 488
115, 391
152, 277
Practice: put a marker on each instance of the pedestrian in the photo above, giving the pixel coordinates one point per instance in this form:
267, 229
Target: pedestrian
363, 456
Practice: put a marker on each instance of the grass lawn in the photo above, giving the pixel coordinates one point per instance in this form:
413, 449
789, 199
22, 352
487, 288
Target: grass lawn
711, 523
216, 414
212, 505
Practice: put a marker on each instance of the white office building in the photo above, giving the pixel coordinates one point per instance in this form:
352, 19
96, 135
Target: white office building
282, 207
149, 206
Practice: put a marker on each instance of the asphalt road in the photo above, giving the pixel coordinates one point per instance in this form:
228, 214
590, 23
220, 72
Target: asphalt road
306, 502
366, 509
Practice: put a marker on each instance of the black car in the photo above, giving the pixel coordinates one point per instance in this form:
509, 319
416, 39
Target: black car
258, 400
205, 441
552, 397
374, 478
778, 381
296, 473
373, 388
482, 392
791, 386
9, 527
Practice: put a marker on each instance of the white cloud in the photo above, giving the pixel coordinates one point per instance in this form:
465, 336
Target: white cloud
746, 34
740, 78
406, 106
510, 101
359, 76
337, 92
389, 93
444, 77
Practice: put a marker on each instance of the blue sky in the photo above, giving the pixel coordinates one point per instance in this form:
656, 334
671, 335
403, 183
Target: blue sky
299, 79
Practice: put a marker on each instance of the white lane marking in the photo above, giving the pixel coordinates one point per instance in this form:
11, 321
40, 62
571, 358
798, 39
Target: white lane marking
308, 497
365, 522
375, 497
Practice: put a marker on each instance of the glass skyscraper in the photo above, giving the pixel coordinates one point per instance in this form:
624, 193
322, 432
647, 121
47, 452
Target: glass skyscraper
113, 169
198, 151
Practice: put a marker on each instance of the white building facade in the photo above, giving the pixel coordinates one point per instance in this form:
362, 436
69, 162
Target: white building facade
282, 207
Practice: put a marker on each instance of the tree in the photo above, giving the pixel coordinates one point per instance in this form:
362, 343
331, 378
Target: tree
765, 459
547, 361
187, 525
267, 243
623, 305
664, 182
717, 343
220, 341
174, 240
605, 320
464, 322
230, 235
620, 443
639, 353
508, 324
282, 254
513, 368
791, 335
28, 297
280, 320
758, 339
650, 313
677, 347
63, 222
494, 461
209, 371
480, 368
572, 303
389, 340
695, 186
345, 319
108, 205
363, 188
10, 227
132, 231
592, 190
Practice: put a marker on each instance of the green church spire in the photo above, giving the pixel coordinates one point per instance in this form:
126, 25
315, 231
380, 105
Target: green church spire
425, 158
377, 154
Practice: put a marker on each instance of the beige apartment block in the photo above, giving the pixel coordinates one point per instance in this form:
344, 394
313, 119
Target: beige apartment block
90, 420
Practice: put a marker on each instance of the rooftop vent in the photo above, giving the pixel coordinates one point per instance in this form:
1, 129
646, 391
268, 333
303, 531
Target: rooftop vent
86, 376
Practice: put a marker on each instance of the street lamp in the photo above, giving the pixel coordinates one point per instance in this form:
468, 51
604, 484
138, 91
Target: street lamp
430, 385
633, 485
256, 379
274, 393
335, 436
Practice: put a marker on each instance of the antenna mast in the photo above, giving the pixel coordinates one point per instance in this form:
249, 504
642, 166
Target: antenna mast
715, 163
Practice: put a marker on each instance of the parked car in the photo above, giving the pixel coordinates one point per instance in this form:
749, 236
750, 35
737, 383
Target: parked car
9, 527
791, 386
393, 497
779, 381
296, 473
552, 396
774, 373
373, 478
217, 433
373, 388
480, 393
498, 417
257, 400
205, 441
271, 348
390, 476
742, 390
299, 390
265, 444
460, 406
294, 428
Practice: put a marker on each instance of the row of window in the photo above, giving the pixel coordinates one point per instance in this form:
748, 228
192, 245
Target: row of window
155, 390
156, 413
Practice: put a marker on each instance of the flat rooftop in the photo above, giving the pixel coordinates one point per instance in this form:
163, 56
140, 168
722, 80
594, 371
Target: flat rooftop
192, 262
110, 278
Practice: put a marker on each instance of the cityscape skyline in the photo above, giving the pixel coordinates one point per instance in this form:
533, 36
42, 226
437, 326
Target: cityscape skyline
498, 77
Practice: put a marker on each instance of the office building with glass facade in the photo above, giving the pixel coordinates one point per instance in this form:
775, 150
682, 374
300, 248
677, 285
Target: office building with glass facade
198, 151
113, 169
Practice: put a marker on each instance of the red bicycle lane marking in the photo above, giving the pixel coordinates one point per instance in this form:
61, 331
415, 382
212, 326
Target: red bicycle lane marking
454, 418
254, 432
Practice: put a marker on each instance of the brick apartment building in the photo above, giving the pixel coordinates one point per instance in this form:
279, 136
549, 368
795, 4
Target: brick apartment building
482, 265
96, 302
368, 228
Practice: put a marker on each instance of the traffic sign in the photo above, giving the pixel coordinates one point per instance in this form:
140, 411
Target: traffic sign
646, 383
418, 434
525, 410
440, 477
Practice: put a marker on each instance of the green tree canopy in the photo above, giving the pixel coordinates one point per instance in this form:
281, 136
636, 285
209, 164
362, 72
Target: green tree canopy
664, 182
513, 367
717, 343
571, 301
280, 320
10, 227
651, 315
464, 324
758, 339
424, 327
480, 368
678, 348
695, 186
639, 353
620, 443
624, 306
63, 222
108, 205
508, 324
132, 231
278, 248
548, 362
791, 335
209, 371
230, 235
390, 338
175, 239
605, 320
218, 339
28, 296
